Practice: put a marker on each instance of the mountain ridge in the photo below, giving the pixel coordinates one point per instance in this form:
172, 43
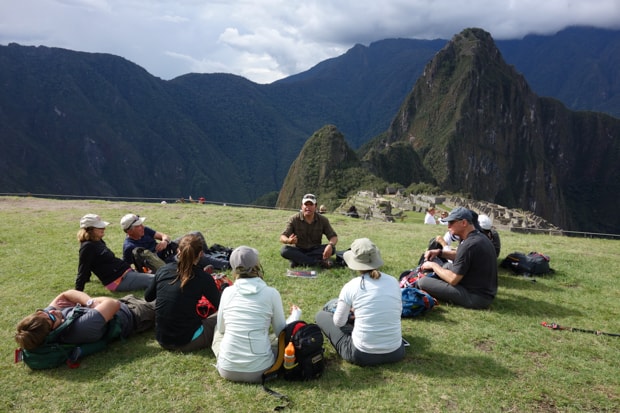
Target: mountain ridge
473, 124
95, 124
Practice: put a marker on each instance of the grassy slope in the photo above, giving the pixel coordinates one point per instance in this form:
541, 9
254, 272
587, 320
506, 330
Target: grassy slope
459, 360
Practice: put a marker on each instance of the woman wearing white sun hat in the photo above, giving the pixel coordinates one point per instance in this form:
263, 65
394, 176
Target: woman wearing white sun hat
95, 257
486, 226
372, 334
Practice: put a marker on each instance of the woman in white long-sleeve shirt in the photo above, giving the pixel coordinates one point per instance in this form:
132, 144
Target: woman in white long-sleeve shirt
247, 310
372, 333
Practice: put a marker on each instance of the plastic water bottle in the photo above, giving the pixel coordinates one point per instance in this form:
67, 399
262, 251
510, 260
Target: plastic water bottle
289, 356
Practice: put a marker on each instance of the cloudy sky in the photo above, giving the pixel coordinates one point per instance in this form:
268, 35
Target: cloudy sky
266, 40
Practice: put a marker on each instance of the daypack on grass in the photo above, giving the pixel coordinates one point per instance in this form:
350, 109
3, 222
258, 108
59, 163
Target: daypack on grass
204, 307
219, 251
308, 342
53, 354
533, 263
409, 277
309, 354
416, 302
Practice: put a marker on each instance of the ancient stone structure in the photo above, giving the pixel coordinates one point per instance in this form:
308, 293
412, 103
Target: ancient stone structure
372, 205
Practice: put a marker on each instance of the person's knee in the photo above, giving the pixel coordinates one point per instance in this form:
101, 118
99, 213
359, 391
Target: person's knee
422, 283
287, 251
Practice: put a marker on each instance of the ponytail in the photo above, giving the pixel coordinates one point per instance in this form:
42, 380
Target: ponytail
190, 248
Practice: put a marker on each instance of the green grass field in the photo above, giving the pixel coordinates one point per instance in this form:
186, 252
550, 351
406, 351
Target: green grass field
497, 360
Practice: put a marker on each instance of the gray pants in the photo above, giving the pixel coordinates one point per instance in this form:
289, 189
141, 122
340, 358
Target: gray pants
340, 337
456, 294
239, 376
133, 281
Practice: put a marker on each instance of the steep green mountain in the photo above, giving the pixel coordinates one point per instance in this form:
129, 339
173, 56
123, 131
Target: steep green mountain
328, 168
477, 128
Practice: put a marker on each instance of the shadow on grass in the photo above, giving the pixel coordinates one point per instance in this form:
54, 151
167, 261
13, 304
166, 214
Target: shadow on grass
520, 305
507, 279
419, 361
118, 353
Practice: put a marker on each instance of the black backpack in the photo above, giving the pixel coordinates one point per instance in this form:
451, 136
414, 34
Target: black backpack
534, 263
309, 354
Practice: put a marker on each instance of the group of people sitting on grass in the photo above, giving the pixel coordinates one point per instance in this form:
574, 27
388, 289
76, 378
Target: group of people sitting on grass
364, 328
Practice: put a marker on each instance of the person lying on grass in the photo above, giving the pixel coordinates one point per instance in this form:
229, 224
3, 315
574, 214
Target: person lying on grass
134, 315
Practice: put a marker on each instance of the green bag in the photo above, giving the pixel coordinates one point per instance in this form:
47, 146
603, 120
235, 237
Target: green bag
53, 354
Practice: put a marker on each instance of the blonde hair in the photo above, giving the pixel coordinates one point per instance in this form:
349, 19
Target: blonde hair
33, 330
253, 272
190, 248
86, 234
374, 274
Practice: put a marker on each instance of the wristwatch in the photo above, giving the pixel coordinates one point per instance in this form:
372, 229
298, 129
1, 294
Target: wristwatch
333, 246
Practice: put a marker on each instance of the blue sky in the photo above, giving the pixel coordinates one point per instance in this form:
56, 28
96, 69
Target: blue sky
267, 40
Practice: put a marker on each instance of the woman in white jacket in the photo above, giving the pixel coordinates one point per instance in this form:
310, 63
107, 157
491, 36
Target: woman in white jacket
247, 310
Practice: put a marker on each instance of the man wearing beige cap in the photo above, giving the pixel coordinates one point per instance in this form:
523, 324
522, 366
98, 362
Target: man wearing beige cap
144, 246
147, 239
303, 235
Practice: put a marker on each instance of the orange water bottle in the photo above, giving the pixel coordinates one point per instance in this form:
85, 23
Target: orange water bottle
289, 356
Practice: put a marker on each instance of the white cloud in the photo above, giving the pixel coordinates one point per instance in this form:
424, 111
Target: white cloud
269, 39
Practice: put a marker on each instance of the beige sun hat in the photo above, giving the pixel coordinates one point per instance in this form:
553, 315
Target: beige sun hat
363, 255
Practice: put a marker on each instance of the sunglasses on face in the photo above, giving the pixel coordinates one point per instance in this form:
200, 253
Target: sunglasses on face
136, 219
50, 315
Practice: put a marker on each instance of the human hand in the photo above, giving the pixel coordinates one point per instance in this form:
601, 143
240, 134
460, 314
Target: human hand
292, 239
64, 303
160, 246
295, 314
326, 254
427, 266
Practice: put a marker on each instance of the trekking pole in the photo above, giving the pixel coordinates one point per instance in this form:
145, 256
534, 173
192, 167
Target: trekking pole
555, 326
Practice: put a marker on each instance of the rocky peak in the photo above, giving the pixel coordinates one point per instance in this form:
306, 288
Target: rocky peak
479, 130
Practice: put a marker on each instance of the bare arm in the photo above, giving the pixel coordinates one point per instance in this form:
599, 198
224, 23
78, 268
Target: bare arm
70, 298
445, 274
330, 249
448, 255
107, 306
163, 238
